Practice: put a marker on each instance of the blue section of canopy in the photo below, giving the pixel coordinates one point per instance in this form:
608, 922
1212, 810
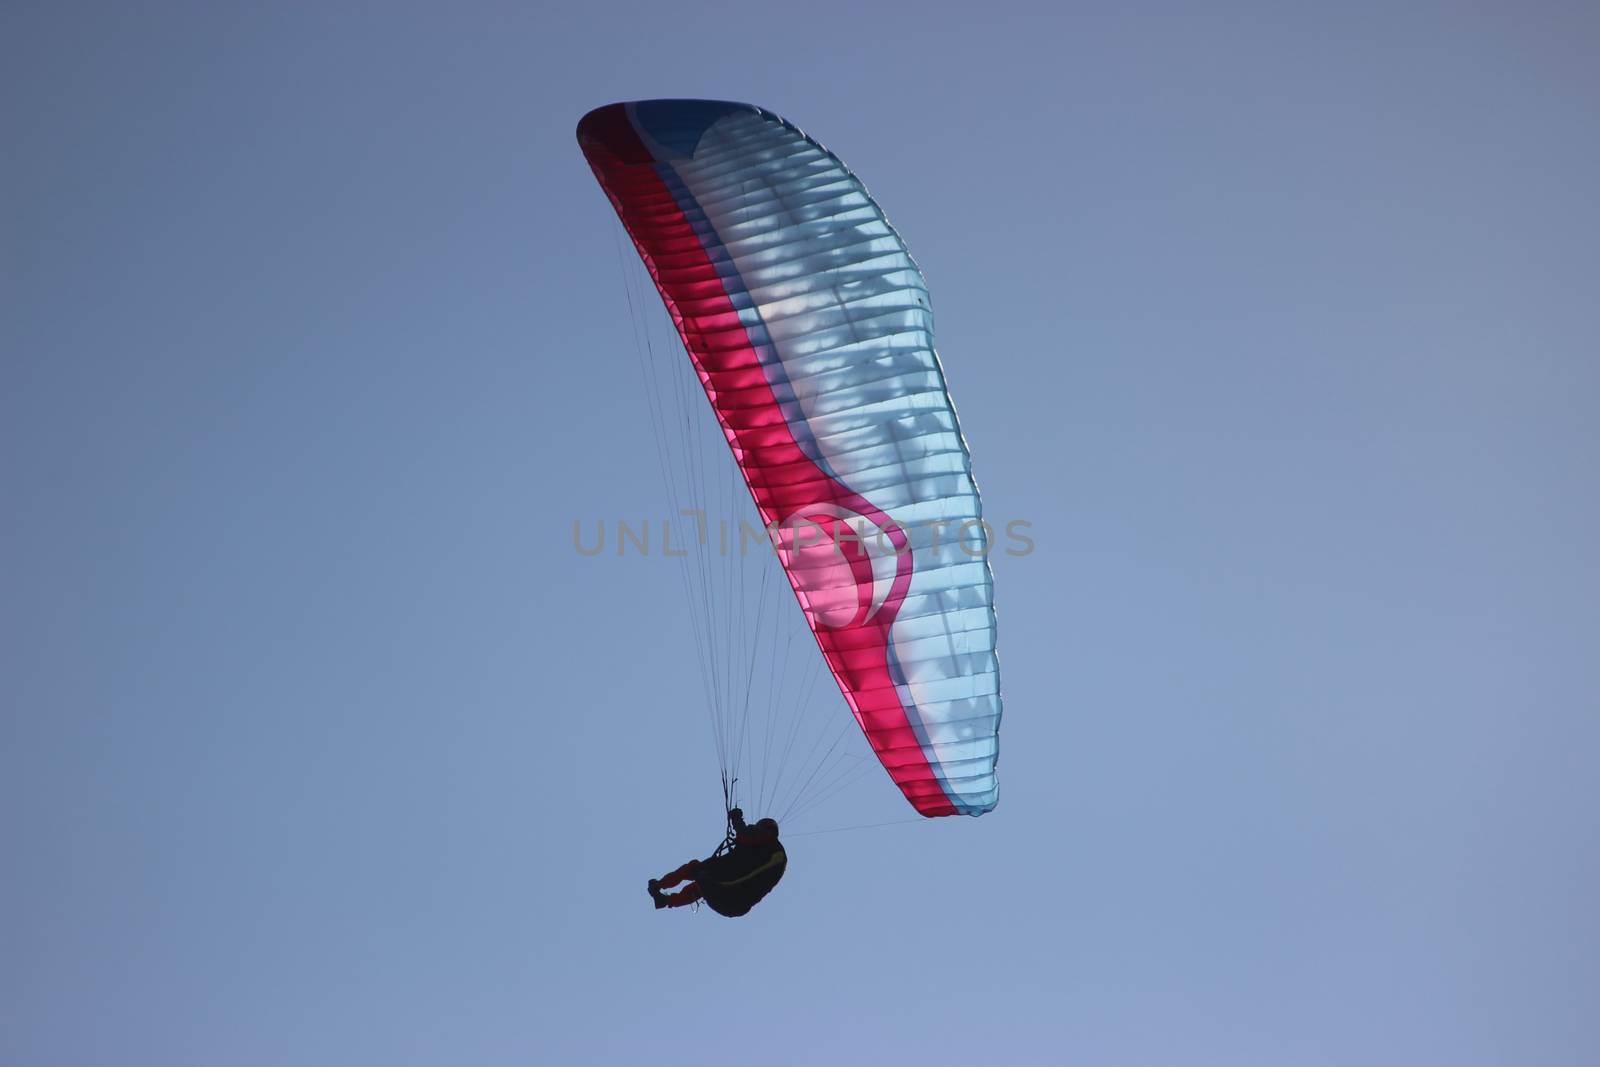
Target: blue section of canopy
827, 287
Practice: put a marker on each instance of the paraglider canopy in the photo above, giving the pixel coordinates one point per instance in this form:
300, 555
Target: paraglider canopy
810, 329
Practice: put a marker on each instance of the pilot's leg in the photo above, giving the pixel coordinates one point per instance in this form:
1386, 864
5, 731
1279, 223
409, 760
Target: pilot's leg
683, 897
684, 873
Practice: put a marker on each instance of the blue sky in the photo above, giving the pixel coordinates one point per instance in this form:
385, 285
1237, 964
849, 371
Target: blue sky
321, 745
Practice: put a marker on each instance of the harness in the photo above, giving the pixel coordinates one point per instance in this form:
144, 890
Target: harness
732, 834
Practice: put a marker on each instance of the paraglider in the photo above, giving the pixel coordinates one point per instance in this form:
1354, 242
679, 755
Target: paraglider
810, 331
735, 878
